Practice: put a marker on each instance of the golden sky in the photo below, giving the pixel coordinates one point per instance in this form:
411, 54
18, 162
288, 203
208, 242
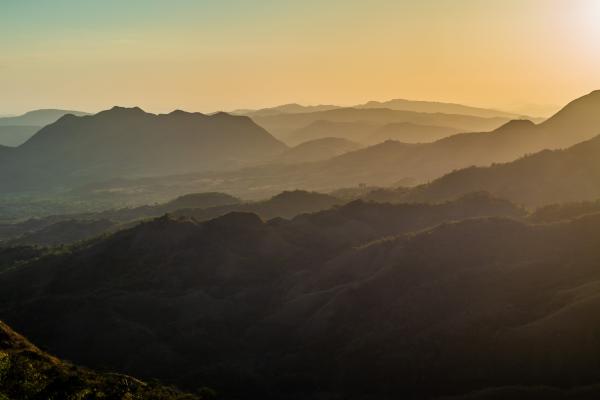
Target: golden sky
222, 55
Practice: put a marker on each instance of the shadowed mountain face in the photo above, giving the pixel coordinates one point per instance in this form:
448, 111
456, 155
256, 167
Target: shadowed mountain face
129, 142
26, 372
543, 178
268, 309
318, 150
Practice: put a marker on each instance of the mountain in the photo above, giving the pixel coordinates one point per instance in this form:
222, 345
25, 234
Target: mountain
26, 372
357, 131
577, 121
542, 178
70, 228
15, 131
438, 107
284, 125
124, 142
317, 150
292, 108
15, 135
252, 307
63, 232
387, 163
286, 204
564, 211
370, 133
394, 163
38, 117
407, 132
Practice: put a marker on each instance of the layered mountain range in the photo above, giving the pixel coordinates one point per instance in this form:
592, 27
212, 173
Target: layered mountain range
125, 142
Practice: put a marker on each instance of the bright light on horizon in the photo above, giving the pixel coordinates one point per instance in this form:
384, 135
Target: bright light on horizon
207, 56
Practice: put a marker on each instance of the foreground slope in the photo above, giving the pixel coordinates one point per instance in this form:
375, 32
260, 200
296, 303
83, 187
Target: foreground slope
26, 372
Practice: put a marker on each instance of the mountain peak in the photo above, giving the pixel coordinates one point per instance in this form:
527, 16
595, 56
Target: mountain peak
516, 124
582, 113
130, 110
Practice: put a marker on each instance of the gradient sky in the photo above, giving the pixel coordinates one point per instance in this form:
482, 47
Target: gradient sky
221, 55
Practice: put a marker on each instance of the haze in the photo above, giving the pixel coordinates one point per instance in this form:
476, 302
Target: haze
223, 55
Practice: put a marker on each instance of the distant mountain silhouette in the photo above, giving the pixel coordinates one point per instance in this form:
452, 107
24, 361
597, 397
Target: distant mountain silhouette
125, 142
407, 132
318, 149
15, 135
370, 133
38, 117
542, 178
292, 108
283, 126
356, 131
27, 372
15, 131
394, 163
388, 162
439, 107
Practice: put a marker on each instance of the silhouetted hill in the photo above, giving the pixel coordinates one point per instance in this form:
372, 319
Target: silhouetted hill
411, 133
26, 372
357, 131
15, 131
265, 309
125, 142
317, 150
15, 135
564, 211
438, 107
371, 132
292, 108
63, 232
388, 162
542, 178
287, 204
576, 122
70, 228
283, 125
38, 118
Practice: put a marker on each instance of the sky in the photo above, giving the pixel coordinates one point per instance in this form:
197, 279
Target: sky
530, 56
